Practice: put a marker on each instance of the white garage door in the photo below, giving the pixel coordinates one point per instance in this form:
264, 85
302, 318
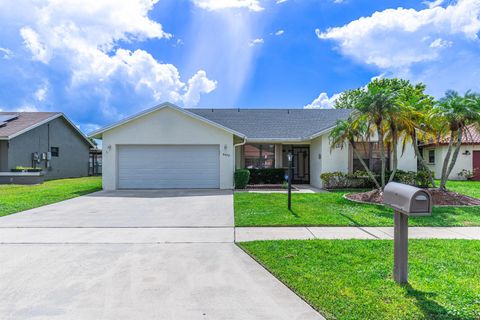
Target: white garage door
176, 166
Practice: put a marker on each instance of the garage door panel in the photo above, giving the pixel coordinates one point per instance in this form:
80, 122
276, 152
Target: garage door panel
178, 166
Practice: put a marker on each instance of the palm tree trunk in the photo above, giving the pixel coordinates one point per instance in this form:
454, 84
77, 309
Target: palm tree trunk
422, 160
455, 153
367, 169
443, 180
382, 155
395, 156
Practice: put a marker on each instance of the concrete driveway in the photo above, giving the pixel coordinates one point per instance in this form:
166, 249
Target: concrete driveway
136, 255
139, 208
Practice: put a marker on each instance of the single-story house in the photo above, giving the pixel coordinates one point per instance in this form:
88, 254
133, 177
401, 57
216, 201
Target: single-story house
171, 147
46, 140
468, 157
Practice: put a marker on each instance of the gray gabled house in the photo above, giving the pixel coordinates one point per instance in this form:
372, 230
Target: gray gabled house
46, 140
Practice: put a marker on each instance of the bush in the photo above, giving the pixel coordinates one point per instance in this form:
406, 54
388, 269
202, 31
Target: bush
241, 178
340, 180
267, 176
26, 169
423, 179
406, 177
360, 179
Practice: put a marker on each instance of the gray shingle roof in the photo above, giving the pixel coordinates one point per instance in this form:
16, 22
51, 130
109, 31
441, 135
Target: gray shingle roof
259, 124
24, 121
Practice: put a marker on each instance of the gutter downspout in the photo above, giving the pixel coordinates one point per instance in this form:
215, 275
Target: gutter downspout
234, 154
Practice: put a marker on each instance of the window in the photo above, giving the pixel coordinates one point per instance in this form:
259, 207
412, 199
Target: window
55, 151
431, 156
370, 153
259, 156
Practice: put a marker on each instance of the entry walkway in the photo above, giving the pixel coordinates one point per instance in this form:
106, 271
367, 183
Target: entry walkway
302, 233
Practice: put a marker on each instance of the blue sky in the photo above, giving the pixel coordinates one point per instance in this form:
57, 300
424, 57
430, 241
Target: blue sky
101, 61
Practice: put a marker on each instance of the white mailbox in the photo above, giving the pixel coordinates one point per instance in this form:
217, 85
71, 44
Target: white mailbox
407, 199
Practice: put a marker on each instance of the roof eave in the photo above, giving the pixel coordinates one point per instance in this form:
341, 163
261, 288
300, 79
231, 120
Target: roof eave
58, 115
257, 140
321, 133
97, 134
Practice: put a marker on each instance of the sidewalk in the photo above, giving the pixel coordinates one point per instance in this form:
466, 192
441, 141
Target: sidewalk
302, 233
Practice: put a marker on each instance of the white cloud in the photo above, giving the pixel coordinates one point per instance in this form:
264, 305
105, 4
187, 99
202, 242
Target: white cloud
440, 43
27, 108
84, 39
280, 1
279, 32
33, 43
401, 37
433, 4
198, 84
255, 42
213, 5
41, 93
323, 102
339, 1
6, 53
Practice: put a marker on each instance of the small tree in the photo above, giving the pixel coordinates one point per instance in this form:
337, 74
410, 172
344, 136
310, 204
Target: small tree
350, 132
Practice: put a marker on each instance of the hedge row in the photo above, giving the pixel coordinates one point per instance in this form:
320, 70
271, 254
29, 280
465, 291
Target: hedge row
360, 179
243, 177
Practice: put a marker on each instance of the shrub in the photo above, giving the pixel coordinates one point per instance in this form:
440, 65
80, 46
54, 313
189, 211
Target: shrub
423, 179
406, 177
467, 174
241, 178
340, 180
26, 169
360, 179
267, 176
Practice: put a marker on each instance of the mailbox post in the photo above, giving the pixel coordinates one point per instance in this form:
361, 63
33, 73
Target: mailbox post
290, 158
406, 201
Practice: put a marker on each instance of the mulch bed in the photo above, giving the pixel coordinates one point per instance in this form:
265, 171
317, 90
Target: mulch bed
440, 198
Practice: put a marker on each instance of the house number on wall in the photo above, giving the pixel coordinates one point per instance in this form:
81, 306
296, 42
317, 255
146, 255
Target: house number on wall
226, 154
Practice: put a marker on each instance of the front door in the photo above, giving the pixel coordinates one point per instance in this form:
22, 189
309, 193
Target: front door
301, 164
476, 165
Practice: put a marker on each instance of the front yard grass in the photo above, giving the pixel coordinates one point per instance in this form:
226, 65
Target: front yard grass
352, 279
469, 188
15, 198
331, 209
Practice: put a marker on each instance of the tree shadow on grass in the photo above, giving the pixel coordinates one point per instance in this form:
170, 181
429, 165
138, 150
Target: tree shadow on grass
430, 308
355, 223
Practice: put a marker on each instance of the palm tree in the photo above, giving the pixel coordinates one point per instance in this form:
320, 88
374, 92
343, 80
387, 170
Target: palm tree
375, 105
454, 113
349, 132
411, 119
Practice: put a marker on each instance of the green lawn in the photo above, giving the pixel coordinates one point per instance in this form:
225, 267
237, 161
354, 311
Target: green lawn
331, 209
15, 198
351, 279
469, 188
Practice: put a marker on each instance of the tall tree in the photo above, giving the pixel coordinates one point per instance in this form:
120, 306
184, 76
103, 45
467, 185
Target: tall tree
454, 113
377, 102
412, 121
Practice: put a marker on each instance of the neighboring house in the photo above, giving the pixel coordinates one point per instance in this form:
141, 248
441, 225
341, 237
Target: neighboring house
170, 147
46, 140
468, 157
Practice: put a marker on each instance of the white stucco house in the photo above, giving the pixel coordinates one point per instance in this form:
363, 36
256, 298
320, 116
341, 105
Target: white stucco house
171, 147
468, 157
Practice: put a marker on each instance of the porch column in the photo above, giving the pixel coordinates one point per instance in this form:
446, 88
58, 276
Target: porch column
278, 156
